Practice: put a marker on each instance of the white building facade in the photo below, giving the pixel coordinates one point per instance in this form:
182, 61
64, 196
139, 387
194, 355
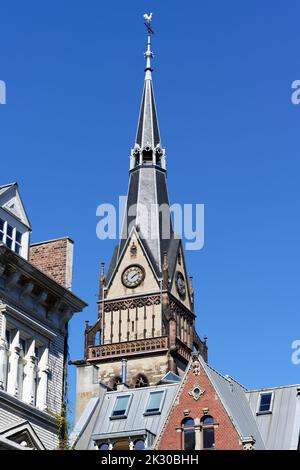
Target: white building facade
34, 315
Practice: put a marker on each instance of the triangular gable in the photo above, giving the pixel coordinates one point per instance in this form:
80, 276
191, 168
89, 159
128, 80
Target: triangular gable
176, 266
204, 390
11, 201
22, 432
118, 261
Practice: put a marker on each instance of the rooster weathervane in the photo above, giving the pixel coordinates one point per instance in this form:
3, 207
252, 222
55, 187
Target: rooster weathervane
148, 18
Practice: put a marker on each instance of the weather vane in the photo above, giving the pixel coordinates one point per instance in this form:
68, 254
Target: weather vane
148, 18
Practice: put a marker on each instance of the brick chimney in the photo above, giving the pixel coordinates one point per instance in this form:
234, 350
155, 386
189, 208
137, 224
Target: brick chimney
54, 258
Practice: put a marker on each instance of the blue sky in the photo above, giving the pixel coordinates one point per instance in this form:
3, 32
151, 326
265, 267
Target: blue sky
223, 74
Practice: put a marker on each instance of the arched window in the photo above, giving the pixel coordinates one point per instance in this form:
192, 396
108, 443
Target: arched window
141, 381
97, 338
189, 440
116, 380
139, 445
104, 447
208, 432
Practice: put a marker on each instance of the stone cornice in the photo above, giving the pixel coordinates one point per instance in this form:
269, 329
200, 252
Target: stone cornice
31, 322
19, 264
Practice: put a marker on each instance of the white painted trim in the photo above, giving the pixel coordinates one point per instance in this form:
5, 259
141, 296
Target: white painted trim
23, 318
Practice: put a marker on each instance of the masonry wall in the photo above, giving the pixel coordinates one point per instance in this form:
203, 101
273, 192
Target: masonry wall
54, 258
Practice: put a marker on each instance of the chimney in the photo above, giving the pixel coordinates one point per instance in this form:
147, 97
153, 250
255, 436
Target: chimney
54, 258
123, 385
124, 371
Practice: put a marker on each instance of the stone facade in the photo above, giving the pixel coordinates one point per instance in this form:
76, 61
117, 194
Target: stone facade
34, 313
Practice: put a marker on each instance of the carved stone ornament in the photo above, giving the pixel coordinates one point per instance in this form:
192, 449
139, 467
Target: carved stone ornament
196, 392
196, 367
248, 443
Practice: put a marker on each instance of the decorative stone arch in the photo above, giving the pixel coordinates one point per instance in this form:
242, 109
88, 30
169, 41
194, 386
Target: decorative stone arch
114, 381
140, 380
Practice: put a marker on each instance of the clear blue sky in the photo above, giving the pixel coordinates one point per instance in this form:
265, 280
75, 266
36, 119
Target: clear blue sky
223, 72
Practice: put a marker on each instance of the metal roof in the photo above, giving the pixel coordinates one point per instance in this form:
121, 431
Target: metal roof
136, 423
233, 397
279, 428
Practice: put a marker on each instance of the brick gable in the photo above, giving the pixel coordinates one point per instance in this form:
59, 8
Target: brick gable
185, 405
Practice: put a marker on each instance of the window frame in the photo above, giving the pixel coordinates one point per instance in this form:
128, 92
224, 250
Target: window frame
158, 412
209, 426
270, 410
2, 230
18, 243
15, 245
188, 429
124, 416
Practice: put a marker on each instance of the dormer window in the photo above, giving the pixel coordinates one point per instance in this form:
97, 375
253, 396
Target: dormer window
14, 224
265, 403
10, 236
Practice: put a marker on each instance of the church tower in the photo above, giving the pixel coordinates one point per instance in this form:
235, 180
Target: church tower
146, 299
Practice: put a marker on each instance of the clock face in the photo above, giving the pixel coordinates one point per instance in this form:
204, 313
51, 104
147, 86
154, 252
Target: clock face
133, 276
180, 284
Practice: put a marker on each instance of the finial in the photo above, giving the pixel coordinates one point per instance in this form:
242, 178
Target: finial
165, 282
148, 54
102, 282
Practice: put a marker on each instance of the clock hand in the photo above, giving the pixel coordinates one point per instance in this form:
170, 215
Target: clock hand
132, 276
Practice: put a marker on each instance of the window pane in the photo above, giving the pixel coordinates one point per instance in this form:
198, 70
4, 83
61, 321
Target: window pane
208, 438
9, 230
18, 248
139, 445
208, 420
265, 402
120, 406
1, 224
103, 447
189, 439
7, 335
188, 422
9, 242
18, 236
154, 402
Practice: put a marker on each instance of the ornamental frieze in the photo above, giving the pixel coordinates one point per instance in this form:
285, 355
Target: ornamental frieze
131, 303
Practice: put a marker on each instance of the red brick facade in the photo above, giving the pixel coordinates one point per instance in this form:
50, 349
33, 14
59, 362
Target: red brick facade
226, 436
54, 258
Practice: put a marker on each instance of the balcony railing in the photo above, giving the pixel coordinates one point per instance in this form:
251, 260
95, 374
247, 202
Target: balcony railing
182, 349
135, 347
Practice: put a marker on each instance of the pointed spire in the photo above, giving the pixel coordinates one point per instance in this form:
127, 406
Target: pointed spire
148, 135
